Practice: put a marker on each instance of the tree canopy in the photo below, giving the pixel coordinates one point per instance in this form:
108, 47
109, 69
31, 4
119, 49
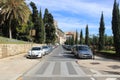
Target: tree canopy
14, 10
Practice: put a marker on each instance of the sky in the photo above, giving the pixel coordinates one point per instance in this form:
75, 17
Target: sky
72, 15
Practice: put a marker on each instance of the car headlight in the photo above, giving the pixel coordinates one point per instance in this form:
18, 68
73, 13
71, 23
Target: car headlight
29, 52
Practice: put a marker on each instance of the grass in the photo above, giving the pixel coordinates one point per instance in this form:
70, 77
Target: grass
4, 40
108, 54
108, 51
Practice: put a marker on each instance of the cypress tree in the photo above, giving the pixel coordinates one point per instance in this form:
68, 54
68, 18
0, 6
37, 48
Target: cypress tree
69, 39
101, 33
45, 19
87, 36
81, 37
49, 27
76, 38
36, 21
42, 32
116, 27
30, 27
46, 25
52, 31
72, 40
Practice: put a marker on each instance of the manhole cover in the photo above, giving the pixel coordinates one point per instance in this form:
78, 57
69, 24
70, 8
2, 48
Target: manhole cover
114, 67
95, 63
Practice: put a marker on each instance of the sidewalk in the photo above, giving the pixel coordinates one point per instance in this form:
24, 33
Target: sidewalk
106, 66
13, 67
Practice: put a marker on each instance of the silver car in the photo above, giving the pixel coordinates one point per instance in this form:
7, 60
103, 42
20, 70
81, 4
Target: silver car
46, 49
35, 52
83, 51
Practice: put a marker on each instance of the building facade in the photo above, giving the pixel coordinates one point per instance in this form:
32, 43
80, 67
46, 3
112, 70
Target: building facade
60, 35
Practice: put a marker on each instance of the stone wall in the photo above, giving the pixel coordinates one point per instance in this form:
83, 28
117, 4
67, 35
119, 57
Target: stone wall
7, 50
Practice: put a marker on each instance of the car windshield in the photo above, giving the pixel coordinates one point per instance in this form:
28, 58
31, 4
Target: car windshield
36, 48
83, 48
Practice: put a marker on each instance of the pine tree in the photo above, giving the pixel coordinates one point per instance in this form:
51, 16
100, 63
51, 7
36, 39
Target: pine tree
116, 27
87, 36
101, 42
81, 37
76, 38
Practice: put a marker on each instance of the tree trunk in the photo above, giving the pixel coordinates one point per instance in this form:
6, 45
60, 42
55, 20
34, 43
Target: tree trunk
10, 32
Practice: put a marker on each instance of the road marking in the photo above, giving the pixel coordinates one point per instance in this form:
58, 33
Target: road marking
64, 70
71, 69
43, 68
111, 79
49, 69
57, 68
78, 69
92, 78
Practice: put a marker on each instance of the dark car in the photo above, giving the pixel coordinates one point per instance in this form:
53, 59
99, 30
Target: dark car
67, 47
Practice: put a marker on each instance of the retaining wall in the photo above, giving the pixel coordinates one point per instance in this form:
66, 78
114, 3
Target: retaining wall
7, 50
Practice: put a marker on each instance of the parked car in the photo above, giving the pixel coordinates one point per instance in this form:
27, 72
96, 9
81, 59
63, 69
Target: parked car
35, 52
82, 51
73, 49
67, 47
47, 49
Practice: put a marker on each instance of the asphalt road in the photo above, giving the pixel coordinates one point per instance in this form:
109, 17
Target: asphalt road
61, 65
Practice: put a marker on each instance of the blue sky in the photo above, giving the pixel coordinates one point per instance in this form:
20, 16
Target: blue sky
73, 15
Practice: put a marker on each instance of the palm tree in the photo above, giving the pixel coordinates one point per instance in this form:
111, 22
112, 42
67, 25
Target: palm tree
14, 10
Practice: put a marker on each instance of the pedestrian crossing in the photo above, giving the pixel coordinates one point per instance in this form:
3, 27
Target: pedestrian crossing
60, 68
67, 70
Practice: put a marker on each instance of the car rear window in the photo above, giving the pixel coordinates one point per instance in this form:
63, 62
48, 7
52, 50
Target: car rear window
36, 48
83, 47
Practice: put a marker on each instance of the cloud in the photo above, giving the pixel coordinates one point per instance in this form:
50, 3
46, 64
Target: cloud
76, 6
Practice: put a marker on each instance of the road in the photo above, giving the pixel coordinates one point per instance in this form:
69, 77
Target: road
61, 65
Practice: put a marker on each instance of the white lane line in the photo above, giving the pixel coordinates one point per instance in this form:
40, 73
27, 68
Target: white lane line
111, 79
49, 69
78, 69
64, 70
